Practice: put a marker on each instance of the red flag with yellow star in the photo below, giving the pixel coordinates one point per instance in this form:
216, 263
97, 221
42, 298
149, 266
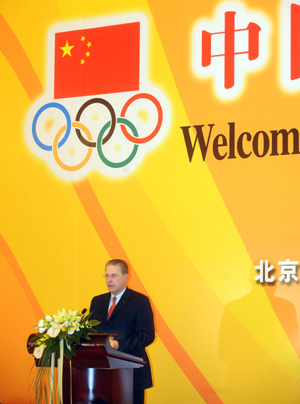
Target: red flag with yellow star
97, 60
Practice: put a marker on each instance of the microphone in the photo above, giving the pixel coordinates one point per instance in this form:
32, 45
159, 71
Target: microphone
84, 311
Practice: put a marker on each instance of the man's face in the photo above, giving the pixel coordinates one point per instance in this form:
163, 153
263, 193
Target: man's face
115, 280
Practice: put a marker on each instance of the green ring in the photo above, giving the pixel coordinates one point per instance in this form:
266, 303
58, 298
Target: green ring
99, 142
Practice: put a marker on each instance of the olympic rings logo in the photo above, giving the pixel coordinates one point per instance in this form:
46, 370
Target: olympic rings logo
85, 137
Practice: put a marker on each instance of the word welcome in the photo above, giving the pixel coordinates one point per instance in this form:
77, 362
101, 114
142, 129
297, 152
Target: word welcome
233, 145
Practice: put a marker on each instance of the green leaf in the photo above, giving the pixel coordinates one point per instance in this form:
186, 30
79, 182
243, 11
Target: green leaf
88, 316
93, 323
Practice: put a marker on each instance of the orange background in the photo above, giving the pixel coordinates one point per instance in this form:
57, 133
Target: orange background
192, 232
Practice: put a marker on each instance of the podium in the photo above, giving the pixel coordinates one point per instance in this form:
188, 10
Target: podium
100, 374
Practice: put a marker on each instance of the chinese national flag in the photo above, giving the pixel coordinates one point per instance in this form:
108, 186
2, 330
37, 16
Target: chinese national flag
97, 60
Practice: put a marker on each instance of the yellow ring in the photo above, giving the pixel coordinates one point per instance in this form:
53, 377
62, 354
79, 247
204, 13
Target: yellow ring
55, 147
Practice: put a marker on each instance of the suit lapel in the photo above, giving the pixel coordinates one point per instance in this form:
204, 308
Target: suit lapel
103, 309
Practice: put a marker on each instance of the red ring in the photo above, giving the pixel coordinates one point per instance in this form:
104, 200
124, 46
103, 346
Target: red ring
159, 122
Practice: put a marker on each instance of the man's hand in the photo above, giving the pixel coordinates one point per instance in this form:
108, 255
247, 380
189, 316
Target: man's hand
113, 343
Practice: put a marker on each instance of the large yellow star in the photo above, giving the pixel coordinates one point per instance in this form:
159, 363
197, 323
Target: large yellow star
67, 49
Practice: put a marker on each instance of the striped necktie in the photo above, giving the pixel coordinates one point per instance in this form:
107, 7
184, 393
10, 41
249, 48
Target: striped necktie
111, 309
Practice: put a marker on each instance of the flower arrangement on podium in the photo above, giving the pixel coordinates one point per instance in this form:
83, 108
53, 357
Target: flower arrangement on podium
58, 336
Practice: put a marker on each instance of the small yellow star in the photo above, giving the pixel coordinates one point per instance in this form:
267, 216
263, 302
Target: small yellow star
82, 61
89, 44
67, 49
87, 54
82, 38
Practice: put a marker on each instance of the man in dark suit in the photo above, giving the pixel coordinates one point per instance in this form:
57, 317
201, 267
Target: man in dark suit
129, 314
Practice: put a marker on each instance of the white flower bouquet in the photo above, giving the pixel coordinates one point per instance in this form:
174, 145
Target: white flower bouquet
58, 336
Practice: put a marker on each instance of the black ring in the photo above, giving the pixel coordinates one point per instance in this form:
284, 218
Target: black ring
113, 121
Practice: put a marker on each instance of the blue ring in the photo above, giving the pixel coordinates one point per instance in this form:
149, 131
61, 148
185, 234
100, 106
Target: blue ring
68, 130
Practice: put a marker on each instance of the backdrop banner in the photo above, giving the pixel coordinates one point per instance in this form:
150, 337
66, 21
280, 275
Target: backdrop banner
164, 133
